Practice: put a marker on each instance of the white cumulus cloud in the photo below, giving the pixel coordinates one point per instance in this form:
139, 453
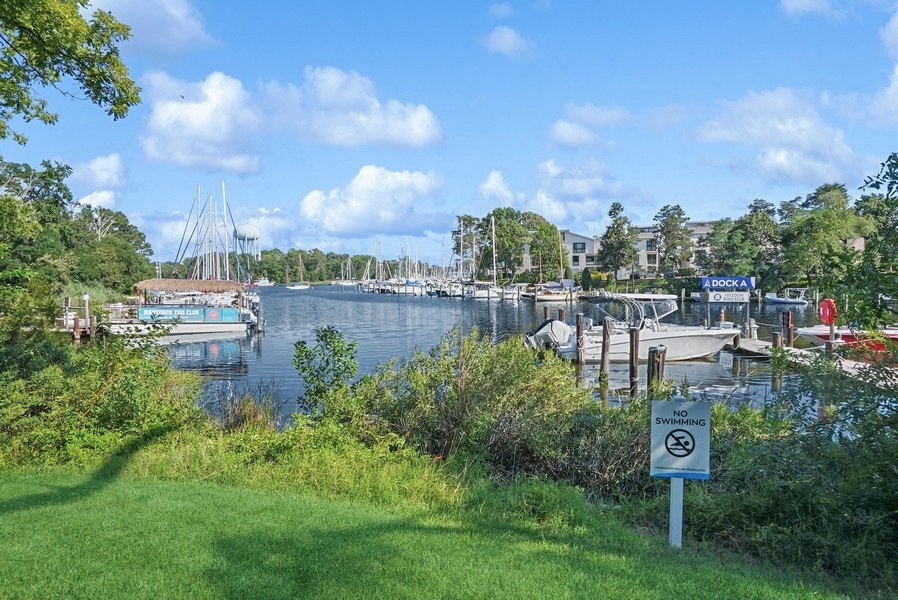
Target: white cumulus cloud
507, 41
103, 171
164, 28
495, 187
376, 201
101, 199
341, 108
889, 36
572, 135
207, 124
794, 143
577, 129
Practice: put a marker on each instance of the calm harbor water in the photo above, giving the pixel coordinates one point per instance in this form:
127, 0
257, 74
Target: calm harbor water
387, 326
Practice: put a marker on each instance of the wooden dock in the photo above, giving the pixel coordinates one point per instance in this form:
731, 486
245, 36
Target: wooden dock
797, 356
77, 326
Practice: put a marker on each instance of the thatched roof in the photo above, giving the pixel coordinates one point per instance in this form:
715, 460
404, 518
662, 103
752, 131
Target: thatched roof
188, 285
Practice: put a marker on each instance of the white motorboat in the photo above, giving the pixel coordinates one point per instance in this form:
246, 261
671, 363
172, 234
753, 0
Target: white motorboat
298, 285
482, 289
819, 335
789, 296
643, 312
554, 292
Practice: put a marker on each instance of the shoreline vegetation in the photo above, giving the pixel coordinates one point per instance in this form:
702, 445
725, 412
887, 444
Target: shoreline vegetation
468, 469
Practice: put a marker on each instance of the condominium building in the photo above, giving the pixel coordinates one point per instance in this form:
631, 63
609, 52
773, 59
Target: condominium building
581, 250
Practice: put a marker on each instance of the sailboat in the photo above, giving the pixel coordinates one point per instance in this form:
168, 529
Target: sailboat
345, 274
554, 291
207, 297
299, 285
484, 289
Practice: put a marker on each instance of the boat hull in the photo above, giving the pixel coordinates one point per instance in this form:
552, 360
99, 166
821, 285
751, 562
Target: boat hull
681, 342
819, 335
181, 319
177, 329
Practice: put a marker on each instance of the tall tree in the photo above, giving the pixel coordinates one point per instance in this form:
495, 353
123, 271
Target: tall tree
617, 246
821, 234
43, 43
673, 237
763, 233
871, 284
544, 241
511, 237
111, 251
725, 251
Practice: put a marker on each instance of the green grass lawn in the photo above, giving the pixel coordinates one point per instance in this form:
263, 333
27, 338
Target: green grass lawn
73, 536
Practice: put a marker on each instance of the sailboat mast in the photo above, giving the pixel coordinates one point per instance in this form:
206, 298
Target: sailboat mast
227, 250
493, 227
560, 258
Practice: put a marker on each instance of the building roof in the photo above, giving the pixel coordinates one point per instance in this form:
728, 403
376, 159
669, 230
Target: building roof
188, 285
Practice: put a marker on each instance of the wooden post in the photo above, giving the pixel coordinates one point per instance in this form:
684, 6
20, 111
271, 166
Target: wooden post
93, 327
561, 314
788, 330
634, 361
580, 338
607, 327
76, 328
545, 313
655, 369
776, 339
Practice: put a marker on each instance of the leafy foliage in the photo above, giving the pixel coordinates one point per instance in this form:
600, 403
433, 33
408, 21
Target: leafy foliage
44, 43
618, 244
326, 368
673, 237
89, 402
819, 236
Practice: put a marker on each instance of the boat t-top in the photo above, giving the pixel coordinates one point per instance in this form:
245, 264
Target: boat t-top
643, 312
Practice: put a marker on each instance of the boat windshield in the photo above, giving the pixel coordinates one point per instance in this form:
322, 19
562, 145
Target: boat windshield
636, 309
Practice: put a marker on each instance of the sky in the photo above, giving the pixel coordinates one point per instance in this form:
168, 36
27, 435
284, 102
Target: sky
367, 127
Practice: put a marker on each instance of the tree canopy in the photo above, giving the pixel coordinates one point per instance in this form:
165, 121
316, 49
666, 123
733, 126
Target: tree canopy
617, 246
46, 43
673, 237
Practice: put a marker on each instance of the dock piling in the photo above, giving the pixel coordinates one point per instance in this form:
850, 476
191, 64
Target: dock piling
634, 361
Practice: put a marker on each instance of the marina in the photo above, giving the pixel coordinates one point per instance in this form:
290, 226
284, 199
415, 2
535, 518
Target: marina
388, 326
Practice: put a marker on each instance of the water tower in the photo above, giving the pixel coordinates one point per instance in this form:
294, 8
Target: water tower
246, 238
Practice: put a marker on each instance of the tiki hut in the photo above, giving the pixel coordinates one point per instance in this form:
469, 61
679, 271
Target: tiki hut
210, 286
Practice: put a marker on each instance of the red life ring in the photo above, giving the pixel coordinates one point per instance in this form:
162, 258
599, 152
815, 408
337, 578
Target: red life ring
828, 311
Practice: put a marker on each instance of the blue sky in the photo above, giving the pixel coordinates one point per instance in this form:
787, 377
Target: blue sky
339, 125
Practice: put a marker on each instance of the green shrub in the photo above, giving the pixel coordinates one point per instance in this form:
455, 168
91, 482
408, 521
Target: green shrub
94, 404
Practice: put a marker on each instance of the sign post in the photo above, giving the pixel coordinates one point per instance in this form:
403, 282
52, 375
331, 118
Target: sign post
681, 449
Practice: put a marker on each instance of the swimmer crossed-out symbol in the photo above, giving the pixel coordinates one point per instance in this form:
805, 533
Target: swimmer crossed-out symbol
679, 443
